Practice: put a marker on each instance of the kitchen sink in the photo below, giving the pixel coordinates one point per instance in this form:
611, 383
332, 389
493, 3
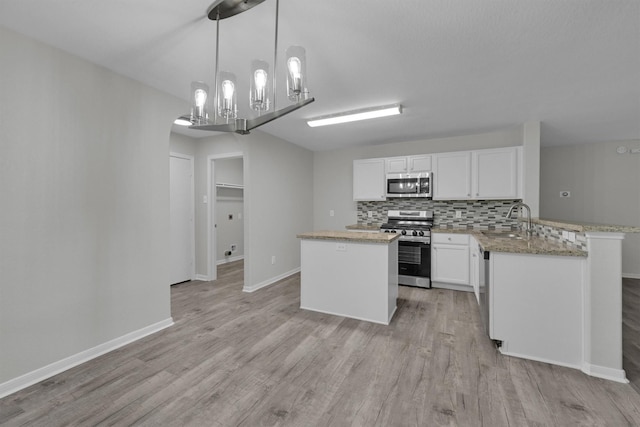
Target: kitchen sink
504, 235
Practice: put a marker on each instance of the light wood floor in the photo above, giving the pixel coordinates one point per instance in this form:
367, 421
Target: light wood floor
258, 360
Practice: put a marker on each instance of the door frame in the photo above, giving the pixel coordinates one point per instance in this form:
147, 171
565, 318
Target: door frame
192, 205
212, 237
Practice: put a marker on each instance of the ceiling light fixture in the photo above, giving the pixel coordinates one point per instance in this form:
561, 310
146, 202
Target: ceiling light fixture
355, 115
224, 117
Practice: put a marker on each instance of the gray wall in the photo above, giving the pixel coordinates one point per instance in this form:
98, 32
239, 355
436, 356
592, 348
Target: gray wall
84, 181
182, 144
278, 202
605, 189
333, 170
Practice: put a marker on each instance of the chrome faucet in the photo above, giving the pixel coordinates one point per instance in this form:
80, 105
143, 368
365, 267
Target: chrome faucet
524, 205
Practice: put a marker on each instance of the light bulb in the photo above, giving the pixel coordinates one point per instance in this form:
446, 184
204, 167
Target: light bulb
260, 79
200, 98
227, 94
294, 66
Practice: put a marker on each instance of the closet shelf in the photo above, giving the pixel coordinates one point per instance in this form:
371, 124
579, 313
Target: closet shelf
227, 185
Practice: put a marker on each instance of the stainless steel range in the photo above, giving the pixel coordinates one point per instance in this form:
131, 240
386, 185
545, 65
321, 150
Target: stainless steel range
414, 245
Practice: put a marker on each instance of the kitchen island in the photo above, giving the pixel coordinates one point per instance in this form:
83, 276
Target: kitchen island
349, 273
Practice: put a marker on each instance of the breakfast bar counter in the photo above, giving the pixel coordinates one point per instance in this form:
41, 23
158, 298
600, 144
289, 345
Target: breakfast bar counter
349, 273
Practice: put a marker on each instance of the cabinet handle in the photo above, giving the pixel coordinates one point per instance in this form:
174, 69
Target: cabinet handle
468, 194
477, 194
449, 238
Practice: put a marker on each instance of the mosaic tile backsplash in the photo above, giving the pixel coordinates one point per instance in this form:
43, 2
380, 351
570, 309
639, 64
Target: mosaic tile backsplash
479, 214
475, 214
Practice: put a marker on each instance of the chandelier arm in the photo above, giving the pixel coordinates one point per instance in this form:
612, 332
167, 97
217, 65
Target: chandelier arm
266, 118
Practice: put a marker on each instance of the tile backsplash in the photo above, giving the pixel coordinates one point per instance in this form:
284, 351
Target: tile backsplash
479, 214
475, 214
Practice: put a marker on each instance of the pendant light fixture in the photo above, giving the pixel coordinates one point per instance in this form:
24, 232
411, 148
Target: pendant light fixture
262, 84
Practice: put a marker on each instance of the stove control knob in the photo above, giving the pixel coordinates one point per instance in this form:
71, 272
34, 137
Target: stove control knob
404, 232
421, 233
415, 233
386, 231
393, 231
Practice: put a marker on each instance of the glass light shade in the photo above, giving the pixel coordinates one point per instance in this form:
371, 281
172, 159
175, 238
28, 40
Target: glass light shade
296, 73
199, 103
259, 86
227, 95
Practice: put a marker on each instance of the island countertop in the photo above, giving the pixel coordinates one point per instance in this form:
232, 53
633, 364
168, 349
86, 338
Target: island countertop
350, 236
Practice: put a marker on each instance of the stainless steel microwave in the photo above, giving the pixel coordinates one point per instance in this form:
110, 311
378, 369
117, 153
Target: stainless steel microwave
418, 184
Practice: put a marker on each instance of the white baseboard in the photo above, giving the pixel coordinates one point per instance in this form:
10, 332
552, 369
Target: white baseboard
611, 374
269, 281
229, 259
631, 275
506, 352
452, 286
379, 322
55, 368
202, 277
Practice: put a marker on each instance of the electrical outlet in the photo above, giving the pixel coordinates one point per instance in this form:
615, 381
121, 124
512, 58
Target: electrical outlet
233, 248
273, 259
565, 193
458, 214
571, 236
370, 214
341, 247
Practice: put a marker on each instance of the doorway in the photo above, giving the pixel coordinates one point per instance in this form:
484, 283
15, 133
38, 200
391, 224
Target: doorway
226, 215
182, 231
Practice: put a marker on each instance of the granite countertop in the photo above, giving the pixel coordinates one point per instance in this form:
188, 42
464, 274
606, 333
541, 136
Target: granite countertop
350, 236
533, 245
585, 227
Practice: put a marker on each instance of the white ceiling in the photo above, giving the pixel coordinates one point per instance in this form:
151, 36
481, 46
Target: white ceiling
458, 67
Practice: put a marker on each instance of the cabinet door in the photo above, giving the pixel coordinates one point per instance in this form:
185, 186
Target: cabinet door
450, 264
495, 174
396, 164
369, 179
452, 176
419, 163
474, 266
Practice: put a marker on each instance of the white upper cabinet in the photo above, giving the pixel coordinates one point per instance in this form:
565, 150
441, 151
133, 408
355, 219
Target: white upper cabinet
421, 163
495, 174
481, 174
452, 176
369, 179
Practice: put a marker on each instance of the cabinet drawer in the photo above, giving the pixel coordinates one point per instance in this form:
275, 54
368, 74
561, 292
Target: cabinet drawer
453, 239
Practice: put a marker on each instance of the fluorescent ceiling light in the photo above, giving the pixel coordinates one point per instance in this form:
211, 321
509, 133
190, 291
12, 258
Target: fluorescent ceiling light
352, 116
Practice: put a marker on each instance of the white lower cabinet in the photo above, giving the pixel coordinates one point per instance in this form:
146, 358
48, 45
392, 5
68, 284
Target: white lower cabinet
450, 261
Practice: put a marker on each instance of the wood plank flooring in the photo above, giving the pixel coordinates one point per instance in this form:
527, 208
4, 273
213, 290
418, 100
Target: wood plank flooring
238, 359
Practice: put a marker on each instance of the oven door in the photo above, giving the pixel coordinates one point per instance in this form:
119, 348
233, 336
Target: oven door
414, 263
